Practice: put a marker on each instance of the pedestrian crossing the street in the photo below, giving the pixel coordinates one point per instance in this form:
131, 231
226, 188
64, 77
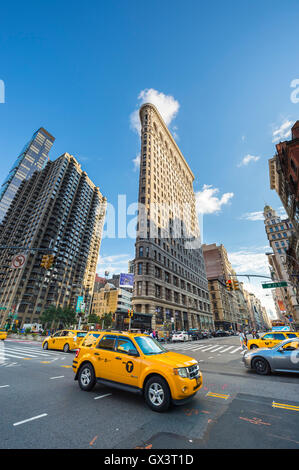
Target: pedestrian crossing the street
197, 346
13, 354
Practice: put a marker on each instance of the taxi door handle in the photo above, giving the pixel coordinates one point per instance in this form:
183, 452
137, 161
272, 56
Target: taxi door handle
96, 354
119, 358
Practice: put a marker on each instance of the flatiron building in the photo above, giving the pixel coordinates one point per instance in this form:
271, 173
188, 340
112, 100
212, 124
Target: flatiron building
170, 282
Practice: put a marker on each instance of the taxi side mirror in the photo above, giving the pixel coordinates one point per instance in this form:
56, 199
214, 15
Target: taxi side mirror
133, 352
281, 350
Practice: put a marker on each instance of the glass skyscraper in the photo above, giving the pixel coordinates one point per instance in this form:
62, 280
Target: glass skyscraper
32, 158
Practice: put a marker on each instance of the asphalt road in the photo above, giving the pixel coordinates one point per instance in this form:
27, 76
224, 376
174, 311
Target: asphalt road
42, 407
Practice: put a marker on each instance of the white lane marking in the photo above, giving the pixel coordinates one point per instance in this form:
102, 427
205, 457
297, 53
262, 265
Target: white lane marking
31, 350
18, 351
200, 347
58, 377
235, 350
30, 419
226, 349
210, 347
3, 386
10, 355
216, 349
103, 396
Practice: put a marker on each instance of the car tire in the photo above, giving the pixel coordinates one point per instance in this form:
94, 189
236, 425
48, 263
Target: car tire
86, 377
261, 366
66, 348
253, 346
157, 394
45, 346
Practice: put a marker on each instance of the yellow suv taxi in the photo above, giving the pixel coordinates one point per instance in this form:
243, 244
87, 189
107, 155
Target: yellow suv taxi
3, 334
137, 363
64, 340
270, 339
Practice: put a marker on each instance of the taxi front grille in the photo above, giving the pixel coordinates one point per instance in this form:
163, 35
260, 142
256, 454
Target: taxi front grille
193, 371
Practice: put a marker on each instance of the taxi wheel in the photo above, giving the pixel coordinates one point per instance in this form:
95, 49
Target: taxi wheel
253, 346
45, 346
157, 394
261, 366
66, 348
86, 377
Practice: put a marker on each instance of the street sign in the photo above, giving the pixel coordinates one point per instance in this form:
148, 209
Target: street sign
18, 261
272, 285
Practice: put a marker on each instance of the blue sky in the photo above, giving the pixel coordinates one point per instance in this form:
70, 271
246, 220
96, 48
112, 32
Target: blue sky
225, 67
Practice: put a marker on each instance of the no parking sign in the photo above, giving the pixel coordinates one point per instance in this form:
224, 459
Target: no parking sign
18, 261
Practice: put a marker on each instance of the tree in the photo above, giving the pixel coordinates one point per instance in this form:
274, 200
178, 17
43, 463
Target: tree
58, 316
93, 318
106, 320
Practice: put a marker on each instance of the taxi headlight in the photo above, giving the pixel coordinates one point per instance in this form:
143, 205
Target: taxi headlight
182, 372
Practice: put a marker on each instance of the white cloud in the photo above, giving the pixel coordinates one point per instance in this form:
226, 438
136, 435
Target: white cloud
283, 132
208, 203
254, 261
115, 264
247, 159
167, 106
253, 216
259, 215
136, 162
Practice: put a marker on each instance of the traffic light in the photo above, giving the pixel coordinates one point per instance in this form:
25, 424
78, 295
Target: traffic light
50, 261
229, 285
236, 285
130, 313
44, 262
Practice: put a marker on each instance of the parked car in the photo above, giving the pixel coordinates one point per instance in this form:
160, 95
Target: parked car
180, 336
206, 334
220, 333
195, 334
283, 357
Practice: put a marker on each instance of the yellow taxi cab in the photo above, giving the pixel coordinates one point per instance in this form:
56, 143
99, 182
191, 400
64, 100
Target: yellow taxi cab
64, 340
3, 334
137, 363
270, 339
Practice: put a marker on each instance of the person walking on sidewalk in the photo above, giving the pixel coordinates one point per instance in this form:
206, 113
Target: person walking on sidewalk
242, 340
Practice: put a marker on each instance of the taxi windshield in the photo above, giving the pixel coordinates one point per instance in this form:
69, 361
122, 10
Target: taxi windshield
149, 345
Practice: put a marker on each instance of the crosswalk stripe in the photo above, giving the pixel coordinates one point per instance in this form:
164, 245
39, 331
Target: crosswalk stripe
16, 351
216, 349
235, 350
28, 351
226, 349
210, 347
10, 355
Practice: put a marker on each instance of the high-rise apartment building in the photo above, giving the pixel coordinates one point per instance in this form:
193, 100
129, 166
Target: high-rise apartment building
279, 232
284, 178
32, 158
170, 282
60, 209
225, 305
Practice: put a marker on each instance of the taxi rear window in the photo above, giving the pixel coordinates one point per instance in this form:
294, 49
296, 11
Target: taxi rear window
291, 335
